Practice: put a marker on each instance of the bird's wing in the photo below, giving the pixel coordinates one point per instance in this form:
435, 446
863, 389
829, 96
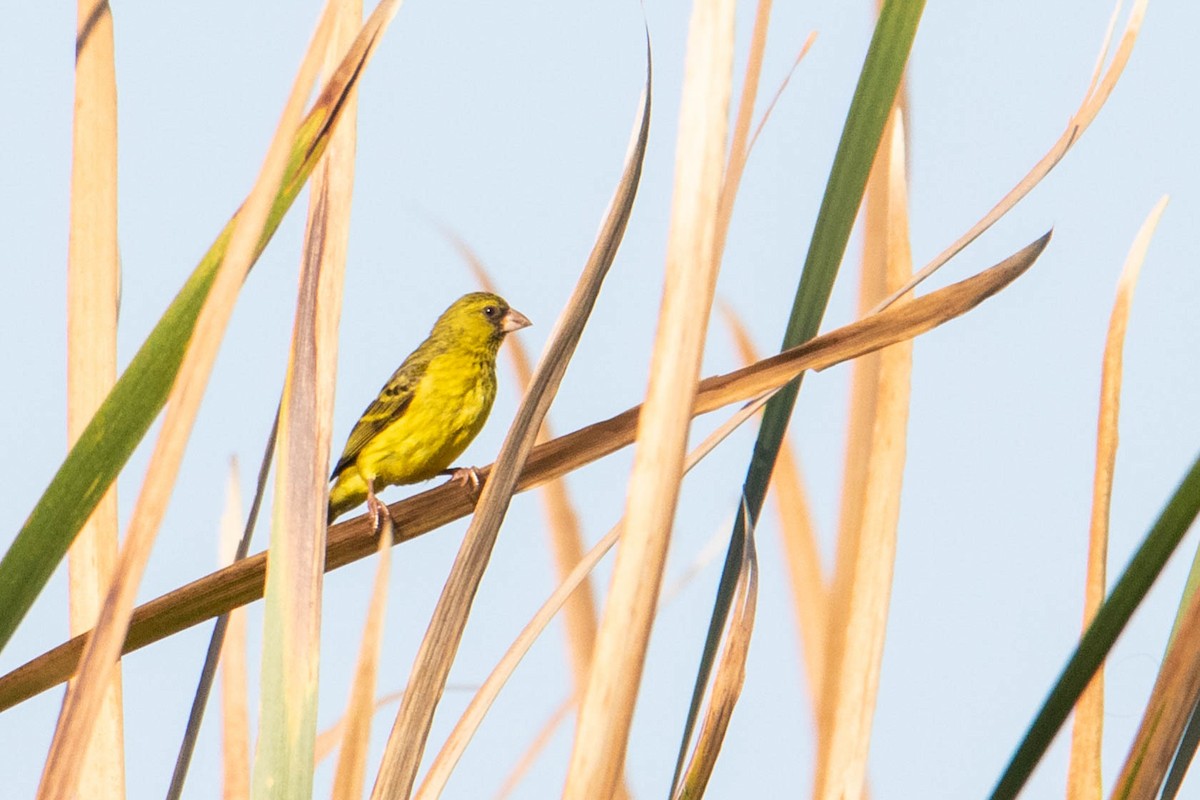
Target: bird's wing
393, 400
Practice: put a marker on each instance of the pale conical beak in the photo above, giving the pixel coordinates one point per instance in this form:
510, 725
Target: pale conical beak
513, 320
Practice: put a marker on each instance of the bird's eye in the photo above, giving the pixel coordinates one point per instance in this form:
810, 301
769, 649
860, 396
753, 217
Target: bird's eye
489, 311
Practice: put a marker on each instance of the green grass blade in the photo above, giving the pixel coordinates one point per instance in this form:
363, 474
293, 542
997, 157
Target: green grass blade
1144, 568
127, 413
878, 83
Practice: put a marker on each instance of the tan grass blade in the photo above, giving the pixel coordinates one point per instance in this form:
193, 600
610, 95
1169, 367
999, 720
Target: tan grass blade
566, 537
762, 122
864, 386
235, 708
427, 681
864, 391
1084, 778
728, 678
93, 291
351, 772
1099, 90
352, 540
707, 554
77, 718
468, 723
808, 583
704, 557
856, 632
330, 739
283, 762
535, 749
739, 148
606, 709
860, 427
1175, 694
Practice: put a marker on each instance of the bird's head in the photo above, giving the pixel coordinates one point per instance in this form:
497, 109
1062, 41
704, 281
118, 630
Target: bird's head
481, 319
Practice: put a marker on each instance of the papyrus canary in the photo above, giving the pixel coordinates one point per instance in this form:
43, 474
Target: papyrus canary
432, 406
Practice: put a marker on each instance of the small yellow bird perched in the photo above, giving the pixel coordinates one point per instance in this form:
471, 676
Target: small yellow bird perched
430, 409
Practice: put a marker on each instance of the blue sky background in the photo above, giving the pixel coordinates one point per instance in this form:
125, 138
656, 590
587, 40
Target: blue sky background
508, 123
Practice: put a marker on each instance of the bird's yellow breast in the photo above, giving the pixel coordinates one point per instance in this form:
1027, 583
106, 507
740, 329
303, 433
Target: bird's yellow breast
448, 409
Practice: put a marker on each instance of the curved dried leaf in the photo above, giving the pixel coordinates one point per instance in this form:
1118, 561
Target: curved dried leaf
728, 679
456, 742
1084, 778
1098, 92
402, 754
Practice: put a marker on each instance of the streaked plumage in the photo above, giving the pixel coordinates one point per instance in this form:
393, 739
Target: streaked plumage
431, 408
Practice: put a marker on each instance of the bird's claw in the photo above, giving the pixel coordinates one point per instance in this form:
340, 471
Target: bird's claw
376, 508
468, 478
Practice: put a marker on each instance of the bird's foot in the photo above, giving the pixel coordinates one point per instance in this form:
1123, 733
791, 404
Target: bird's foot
375, 507
467, 477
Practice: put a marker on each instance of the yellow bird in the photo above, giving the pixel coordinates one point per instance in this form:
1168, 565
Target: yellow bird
430, 409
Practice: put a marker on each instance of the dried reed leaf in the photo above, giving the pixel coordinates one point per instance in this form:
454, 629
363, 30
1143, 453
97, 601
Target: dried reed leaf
864, 390
351, 772
731, 181
402, 754
235, 707
292, 622
856, 632
874, 95
566, 536
535, 748
739, 148
808, 583
762, 122
141, 391
728, 679
93, 291
68, 748
1084, 778
468, 723
349, 541
330, 739
1176, 692
1177, 516
860, 439
1098, 92
606, 708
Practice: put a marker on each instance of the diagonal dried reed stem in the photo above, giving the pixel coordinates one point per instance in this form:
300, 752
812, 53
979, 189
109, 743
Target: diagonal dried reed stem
352, 540
410, 732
